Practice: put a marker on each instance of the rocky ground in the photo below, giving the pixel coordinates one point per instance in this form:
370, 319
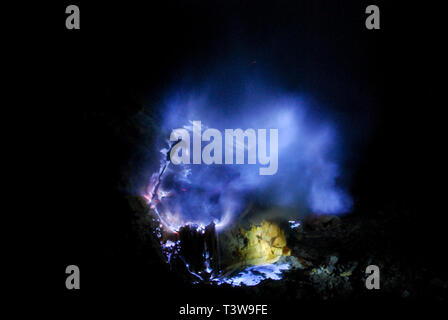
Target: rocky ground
332, 255
335, 252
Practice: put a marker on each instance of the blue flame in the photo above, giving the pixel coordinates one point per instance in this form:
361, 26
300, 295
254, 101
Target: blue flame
309, 165
253, 275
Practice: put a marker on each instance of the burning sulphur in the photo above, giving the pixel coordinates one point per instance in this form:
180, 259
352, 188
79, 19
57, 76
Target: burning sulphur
262, 244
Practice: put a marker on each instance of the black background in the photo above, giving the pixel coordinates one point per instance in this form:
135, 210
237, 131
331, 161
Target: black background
124, 53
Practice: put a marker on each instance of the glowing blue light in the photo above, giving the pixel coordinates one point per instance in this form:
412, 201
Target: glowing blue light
253, 275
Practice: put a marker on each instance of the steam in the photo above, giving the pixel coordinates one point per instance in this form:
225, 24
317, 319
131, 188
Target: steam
309, 157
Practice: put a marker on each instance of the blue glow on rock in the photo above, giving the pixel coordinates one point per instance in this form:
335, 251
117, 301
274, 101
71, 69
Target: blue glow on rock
253, 275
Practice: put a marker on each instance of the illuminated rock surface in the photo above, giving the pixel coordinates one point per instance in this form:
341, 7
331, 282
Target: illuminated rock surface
265, 244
